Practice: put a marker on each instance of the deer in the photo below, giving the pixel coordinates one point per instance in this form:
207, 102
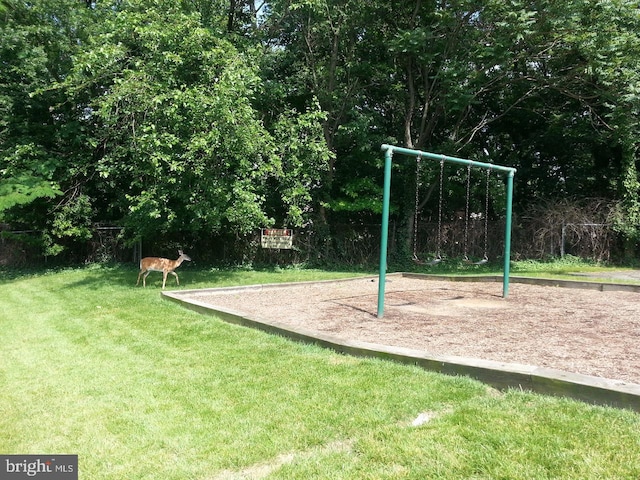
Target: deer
164, 265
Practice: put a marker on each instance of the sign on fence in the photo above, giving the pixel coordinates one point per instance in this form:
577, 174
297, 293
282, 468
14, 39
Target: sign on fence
276, 238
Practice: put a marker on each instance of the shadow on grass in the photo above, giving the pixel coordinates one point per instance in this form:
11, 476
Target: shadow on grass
10, 274
125, 276
103, 275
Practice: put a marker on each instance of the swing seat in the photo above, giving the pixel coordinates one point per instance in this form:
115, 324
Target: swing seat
430, 263
482, 262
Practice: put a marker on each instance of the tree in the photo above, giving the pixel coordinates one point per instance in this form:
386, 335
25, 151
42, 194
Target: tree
39, 146
304, 159
206, 116
178, 145
578, 134
333, 51
612, 50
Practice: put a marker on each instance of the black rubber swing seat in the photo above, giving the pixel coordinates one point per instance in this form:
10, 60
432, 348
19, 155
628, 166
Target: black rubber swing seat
481, 262
431, 263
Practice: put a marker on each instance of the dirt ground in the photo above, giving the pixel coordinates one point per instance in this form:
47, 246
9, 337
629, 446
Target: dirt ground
580, 331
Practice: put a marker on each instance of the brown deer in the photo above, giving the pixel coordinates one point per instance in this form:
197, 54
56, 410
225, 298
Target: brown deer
164, 265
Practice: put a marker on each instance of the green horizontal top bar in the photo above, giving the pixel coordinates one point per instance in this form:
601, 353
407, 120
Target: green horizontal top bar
434, 156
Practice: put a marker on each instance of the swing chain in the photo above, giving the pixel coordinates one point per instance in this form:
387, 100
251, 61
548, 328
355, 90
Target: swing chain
438, 255
466, 215
486, 214
417, 205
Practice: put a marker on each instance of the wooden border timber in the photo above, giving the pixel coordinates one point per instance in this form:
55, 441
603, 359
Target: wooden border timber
547, 282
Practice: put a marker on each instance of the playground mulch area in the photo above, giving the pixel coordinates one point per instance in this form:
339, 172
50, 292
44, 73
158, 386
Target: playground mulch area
589, 332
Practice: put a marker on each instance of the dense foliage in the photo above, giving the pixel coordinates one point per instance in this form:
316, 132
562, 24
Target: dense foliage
201, 117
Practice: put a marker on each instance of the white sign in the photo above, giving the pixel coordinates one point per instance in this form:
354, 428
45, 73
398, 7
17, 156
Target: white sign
276, 238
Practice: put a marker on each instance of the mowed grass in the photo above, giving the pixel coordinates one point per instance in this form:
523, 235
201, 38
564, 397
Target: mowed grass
140, 388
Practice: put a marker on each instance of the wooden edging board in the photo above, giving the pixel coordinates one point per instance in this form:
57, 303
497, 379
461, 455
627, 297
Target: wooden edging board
547, 282
586, 388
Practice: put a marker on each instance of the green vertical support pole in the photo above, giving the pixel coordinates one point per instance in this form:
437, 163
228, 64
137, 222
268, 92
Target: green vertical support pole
384, 234
507, 236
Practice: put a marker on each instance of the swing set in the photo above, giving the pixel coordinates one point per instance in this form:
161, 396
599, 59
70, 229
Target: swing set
467, 214
510, 173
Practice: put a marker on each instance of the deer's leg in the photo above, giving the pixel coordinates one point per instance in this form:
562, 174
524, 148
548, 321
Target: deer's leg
139, 275
175, 275
144, 278
164, 278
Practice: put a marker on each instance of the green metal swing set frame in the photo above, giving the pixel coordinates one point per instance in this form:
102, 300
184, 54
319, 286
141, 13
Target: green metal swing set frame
389, 151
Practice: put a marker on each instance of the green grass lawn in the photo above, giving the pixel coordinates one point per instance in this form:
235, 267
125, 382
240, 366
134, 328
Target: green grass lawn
140, 388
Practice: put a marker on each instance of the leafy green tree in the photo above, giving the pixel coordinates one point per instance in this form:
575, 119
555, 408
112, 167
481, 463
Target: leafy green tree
206, 116
547, 87
575, 133
40, 140
228, 16
304, 159
321, 50
179, 146
611, 51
